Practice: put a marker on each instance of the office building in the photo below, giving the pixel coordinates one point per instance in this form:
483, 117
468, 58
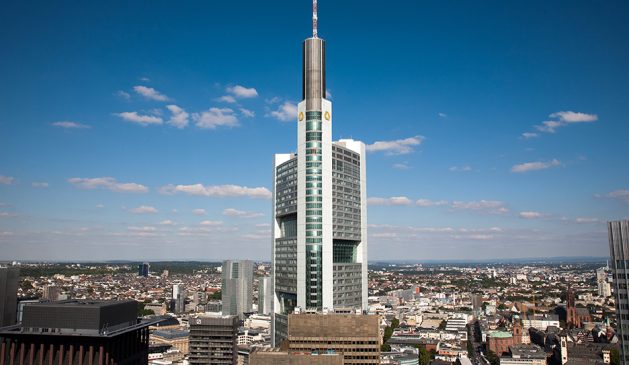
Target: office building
265, 295
355, 336
619, 254
9, 279
77, 332
274, 356
213, 340
237, 287
143, 269
320, 207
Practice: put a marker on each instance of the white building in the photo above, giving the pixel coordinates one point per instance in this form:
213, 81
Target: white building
319, 208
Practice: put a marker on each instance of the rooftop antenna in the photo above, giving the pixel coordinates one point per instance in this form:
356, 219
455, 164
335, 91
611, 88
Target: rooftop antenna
314, 19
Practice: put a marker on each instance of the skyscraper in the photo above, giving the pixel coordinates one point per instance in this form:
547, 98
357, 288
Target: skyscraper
265, 295
9, 278
619, 254
320, 207
237, 287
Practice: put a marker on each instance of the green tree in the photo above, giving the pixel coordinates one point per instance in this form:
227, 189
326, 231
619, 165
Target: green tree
424, 356
614, 357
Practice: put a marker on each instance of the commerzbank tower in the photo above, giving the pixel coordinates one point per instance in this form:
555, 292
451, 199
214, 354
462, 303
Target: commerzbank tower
319, 208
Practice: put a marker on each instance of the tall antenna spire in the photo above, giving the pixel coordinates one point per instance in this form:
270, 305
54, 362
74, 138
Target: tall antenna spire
314, 18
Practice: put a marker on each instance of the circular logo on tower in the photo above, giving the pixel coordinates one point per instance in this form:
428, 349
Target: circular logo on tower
301, 116
326, 115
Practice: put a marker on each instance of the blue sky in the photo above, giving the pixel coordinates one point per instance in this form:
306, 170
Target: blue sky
146, 130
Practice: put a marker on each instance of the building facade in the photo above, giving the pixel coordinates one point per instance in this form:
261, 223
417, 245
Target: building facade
319, 207
619, 254
9, 278
213, 340
76, 332
355, 336
237, 287
265, 295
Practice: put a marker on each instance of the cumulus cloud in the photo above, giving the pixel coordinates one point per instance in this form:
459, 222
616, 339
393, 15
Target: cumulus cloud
460, 168
150, 93
395, 200
144, 120
487, 206
240, 91
396, 147
215, 117
226, 99
529, 135
247, 113
220, 191
430, 203
621, 195
179, 117
66, 124
39, 184
6, 180
199, 211
564, 118
144, 209
538, 165
108, 183
231, 212
530, 215
285, 112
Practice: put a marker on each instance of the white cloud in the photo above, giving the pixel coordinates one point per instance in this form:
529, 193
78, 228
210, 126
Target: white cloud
395, 200
227, 99
460, 168
564, 118
397, 147
430, 203
150, 93
211, 223
538, 165
123, 94
574, 117
622, 195
231, 212
487, 206
401, 166
6, 180
66, 124
39, 184
529, 135
218, 191
107, 183
442, 115
530, 215
144, 209
286, 112
242, 92
179, 117
215, 117
199, 212
247, 113
144, 120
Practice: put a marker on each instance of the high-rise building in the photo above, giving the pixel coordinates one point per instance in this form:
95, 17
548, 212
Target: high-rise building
320, 207
213, 340
237, 287
265, 295
77, 332
9, 278
619, 254
355, 336
143, 269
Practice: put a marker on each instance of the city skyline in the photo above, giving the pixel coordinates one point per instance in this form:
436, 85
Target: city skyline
493, 130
